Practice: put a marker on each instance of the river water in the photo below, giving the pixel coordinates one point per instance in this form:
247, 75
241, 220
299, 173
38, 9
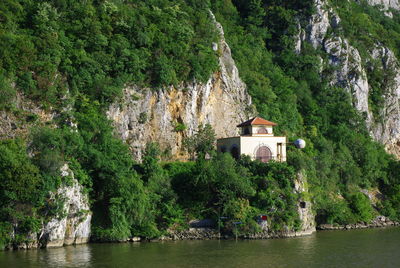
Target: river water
356, 248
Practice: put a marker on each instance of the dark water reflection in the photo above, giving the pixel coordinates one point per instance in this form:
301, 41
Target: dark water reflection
359, 248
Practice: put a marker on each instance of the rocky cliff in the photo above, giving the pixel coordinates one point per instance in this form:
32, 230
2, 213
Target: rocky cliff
71, 225
323, 31
16, 123
171, 114
304, 208
385, 5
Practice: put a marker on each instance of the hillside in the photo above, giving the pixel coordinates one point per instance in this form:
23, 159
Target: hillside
100, 98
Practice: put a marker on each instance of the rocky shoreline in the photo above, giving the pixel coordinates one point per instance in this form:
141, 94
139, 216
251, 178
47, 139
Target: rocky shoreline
213, 234
378, 222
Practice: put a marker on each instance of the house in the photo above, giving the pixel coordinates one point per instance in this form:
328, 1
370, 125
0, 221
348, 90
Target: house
256, 140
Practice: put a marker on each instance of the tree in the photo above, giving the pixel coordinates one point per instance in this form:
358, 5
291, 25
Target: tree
21, 195
163, 207
20, 179
201, 143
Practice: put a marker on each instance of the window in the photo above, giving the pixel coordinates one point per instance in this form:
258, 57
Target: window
262, 130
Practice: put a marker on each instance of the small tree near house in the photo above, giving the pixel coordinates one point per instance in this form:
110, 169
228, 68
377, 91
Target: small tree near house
201, 143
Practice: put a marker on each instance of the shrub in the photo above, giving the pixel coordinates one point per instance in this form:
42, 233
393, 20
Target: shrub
179, 127
361, 207
7, 93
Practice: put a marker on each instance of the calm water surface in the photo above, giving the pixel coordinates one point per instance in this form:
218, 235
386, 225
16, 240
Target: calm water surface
358, 248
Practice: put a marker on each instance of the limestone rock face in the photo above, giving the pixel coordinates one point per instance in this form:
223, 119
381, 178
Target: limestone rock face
319, 24
14, 125
70, 226
304, 208
144, 115
387, 130
350, 74
385, 6
395, 4
74, 226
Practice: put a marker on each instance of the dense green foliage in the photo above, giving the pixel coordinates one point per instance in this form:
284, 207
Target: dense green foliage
88, 51
19, 190
201, 143
96, 47
340, 156
236, 191
76, 56
142, 199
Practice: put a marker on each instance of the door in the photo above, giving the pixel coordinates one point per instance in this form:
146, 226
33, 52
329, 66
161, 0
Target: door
263, 154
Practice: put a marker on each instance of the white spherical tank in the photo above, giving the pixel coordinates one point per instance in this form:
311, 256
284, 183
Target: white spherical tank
300, 144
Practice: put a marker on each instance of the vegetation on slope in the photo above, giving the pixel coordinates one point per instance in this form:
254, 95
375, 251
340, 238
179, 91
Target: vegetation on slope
96, 47
367, 27
93, 48
340, 156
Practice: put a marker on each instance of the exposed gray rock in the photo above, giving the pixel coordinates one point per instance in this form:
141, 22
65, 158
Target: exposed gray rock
319, 23
378, 221
350, 74
71, 226
304, 207
135, 239
194, 234
74, 226
395, 4
17, 123
374, 196
145, 115
386, 130
385, 5
301, 36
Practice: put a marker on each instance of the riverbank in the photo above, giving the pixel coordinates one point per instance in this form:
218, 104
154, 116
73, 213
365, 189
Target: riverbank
376, 247
213, 234
210, 234
378, 222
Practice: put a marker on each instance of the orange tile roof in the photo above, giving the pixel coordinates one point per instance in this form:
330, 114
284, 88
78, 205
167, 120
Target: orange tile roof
257, 121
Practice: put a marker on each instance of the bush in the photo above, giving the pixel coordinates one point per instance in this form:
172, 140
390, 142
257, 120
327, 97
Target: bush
7, 93
179, 127
334, 211
361, 207
202, 142
96, 48
20, 179
5, 231
22, 192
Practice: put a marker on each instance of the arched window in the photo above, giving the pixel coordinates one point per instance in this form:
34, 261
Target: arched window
264, 154
246, 131
235, 152
262, 130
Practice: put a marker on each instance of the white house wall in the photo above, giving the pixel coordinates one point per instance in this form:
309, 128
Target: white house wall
249, 145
